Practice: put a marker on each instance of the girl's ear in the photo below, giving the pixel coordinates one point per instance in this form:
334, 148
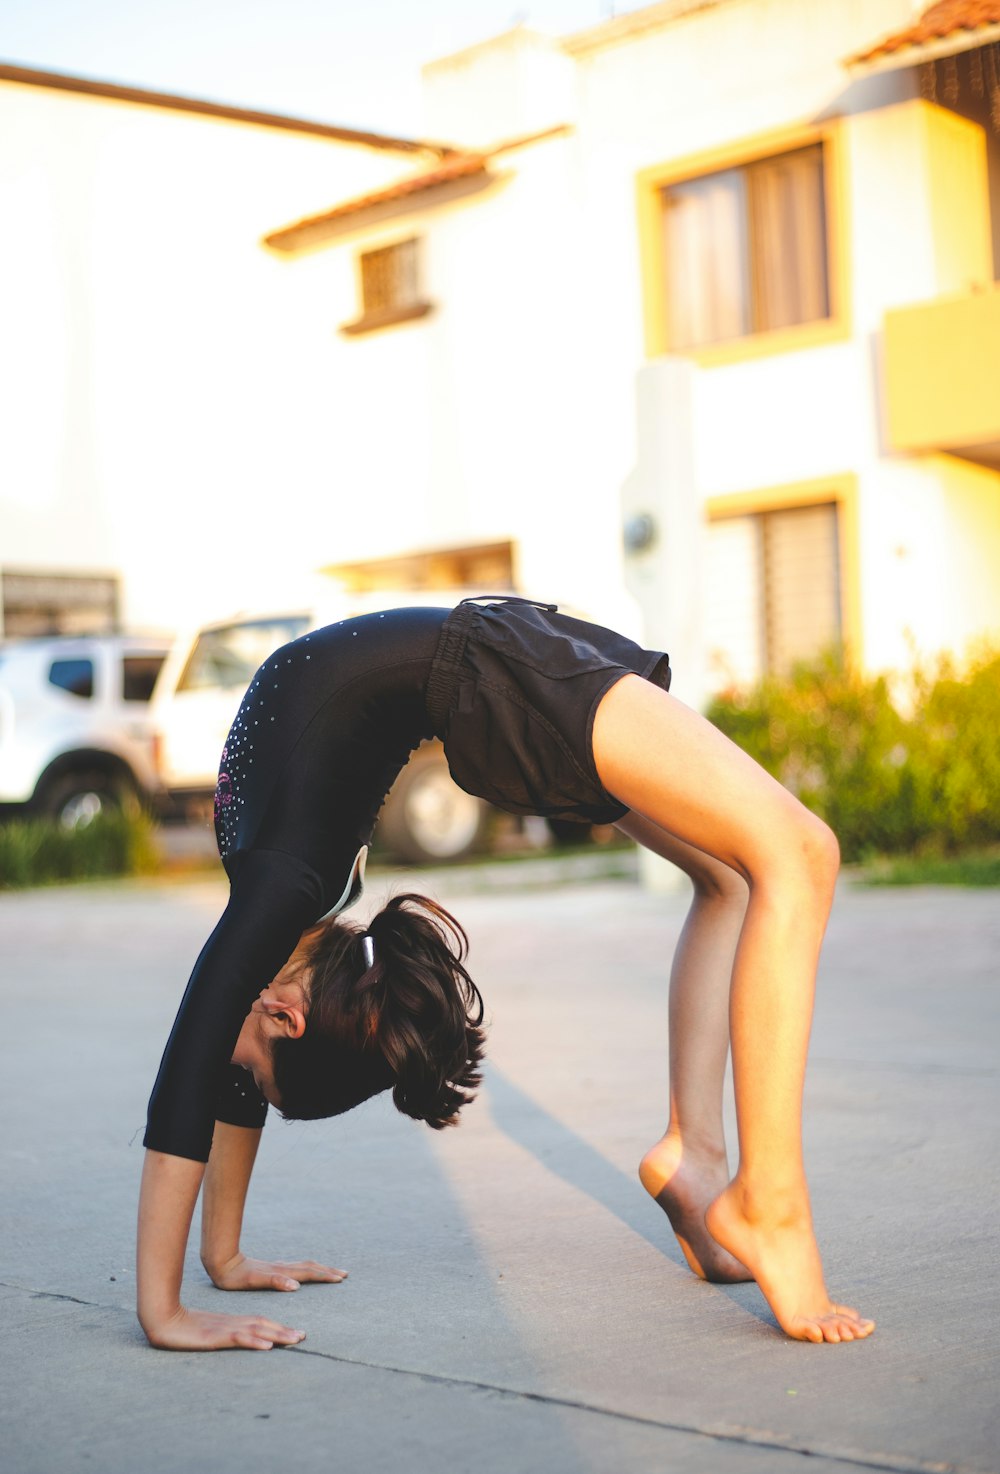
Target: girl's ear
288, 1016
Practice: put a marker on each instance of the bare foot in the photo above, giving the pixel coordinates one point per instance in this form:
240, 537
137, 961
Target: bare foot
779, 1247
684, 1181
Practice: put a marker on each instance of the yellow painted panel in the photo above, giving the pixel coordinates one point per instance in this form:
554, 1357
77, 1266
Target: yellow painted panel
958, 174
942, 373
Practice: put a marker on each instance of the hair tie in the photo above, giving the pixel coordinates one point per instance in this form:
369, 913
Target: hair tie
369, 946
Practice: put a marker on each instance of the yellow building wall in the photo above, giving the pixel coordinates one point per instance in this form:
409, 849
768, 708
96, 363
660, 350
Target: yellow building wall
958, 178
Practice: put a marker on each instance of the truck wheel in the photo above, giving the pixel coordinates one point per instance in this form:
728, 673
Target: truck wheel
428, 818
74, 800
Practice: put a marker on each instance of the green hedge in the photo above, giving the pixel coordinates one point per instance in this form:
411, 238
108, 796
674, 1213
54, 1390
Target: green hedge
37, 851
901, 766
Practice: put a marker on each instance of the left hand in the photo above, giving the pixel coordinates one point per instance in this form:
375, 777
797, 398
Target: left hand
241, 1273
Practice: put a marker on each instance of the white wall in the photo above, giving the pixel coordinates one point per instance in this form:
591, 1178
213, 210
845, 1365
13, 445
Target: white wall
157, 418
485, 420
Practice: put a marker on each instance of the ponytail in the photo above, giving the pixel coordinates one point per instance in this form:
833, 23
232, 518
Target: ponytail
425, 1009
392, 1006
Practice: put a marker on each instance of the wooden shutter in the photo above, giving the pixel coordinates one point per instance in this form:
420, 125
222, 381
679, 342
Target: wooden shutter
389, 277
801, 583
772, 589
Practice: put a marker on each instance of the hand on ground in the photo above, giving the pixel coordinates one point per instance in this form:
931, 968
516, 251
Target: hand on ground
206, 1330
241, 1273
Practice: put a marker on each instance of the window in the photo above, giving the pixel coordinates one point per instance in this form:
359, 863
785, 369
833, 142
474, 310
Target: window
745, 250
773, 591
479, 566
58, 603
389, 280
139, 674
74, 676
229, 657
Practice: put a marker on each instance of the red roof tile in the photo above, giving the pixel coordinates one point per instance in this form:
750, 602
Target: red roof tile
453, 168
459, 166
945, 19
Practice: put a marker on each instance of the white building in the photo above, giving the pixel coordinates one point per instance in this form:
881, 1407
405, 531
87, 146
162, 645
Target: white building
720, 272
166, 454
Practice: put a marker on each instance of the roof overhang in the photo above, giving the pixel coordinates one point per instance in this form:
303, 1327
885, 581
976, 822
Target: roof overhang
455, 178
450, 179
945, 29
174, 102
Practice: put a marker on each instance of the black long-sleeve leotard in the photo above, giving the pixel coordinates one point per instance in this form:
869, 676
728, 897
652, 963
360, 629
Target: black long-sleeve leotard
325, 727
512, 689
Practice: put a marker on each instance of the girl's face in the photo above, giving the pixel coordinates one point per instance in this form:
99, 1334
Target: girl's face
279, 1013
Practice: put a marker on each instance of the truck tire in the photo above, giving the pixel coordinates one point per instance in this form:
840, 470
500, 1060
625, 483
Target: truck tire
427, 818
74, 800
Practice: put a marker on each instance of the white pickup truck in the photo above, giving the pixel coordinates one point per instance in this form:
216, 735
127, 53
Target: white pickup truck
75, 729
426, 816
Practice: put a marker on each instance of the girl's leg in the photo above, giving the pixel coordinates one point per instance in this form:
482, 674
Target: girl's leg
687, 1169
668, 763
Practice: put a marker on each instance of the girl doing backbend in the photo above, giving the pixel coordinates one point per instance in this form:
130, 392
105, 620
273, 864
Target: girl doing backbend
288, 1004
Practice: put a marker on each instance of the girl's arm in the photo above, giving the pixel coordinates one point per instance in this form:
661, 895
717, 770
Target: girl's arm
227, 1178
273, 899
166, 1203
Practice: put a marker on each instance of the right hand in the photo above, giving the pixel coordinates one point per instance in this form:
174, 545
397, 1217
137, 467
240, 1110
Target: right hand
209, 1330
241, 1273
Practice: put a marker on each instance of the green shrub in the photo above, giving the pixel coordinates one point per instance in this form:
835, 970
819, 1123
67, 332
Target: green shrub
38, 851
911, 765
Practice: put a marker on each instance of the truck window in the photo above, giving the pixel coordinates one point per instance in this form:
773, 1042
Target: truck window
74, 676
139, 674
228, 657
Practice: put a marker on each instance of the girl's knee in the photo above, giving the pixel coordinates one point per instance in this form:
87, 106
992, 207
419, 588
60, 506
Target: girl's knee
818, 846
794, 848
825, 845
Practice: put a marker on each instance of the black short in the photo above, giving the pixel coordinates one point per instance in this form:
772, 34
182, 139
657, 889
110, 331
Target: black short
513, 693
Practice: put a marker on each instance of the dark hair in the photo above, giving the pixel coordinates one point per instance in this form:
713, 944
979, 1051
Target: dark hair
405, 1022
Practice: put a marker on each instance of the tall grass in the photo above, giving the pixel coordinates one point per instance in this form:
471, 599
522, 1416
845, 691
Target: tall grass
40, 851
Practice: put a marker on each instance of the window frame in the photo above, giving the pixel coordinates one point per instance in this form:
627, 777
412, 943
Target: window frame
652, 181
388, 315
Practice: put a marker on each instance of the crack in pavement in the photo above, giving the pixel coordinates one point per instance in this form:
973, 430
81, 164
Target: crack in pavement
747, 1437
750, 1438
54, 1295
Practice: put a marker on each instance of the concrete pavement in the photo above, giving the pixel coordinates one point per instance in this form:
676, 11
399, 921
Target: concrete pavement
515, 1302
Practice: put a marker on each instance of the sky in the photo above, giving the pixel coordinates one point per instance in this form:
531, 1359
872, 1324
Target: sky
350, 62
